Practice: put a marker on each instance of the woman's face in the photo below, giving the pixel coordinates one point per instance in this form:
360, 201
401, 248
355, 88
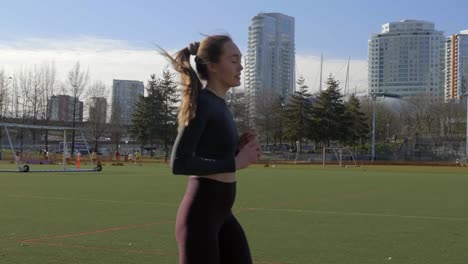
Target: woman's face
228, 69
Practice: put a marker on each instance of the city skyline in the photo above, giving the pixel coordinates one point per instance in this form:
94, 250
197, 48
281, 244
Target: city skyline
116, 48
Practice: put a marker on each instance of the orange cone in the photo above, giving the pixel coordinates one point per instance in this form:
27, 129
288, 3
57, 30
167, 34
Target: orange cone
78, 160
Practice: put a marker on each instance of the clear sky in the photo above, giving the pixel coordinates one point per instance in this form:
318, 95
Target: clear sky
337, 29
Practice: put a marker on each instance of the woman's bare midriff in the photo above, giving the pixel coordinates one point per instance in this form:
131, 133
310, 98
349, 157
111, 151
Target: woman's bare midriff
222, 177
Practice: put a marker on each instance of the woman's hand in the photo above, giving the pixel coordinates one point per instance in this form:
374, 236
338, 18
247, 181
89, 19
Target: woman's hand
247, 137
248, 154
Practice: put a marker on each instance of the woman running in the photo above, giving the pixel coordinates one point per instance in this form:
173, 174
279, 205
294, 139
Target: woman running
209, 149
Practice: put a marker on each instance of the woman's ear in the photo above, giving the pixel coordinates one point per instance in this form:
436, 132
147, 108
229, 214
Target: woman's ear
212, 67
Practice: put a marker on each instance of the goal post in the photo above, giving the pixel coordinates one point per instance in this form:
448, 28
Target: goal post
337, 155
32, 145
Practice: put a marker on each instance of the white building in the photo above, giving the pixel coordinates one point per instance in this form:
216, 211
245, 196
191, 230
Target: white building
125, 96
456, 66
407, 59
270, 60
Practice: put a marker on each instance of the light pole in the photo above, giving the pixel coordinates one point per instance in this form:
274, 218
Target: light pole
374, 98
466, 136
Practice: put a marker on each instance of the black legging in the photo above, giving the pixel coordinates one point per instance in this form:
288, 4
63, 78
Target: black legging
206, 230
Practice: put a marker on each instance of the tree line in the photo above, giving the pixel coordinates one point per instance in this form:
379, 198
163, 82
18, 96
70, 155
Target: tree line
325, 118
25, 98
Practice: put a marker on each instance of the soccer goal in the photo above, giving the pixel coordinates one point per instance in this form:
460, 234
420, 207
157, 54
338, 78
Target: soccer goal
340, 156
34, 148
463, 162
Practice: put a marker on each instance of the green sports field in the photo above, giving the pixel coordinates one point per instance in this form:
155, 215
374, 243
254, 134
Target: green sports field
291, 214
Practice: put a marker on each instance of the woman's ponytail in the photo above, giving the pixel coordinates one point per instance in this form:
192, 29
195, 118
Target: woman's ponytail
191, 84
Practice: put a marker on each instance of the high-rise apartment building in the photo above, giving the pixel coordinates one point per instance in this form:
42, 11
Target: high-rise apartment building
98, 109
270, 60
456, 66
60, 108
125, 96
407, 59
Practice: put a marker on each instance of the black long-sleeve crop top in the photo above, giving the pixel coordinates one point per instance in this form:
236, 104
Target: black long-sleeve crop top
209, 143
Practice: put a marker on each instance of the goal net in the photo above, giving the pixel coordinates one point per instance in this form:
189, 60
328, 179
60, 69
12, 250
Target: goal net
463, 162
33, 148
338, 156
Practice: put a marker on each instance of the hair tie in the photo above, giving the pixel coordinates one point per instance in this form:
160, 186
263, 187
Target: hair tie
193, 48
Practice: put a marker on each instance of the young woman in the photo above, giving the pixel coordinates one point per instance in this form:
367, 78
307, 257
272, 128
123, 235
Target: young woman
208, 149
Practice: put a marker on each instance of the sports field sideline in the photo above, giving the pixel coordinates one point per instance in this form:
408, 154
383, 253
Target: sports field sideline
291, 214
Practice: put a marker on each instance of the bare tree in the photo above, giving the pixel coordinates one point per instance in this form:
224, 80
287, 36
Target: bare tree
97, 127
33, 94
388, 123
453, 125
418, 113
22, 82
265, 115
25, 82
116, 126
238, 107
49, 86
5, 81
78, 80
15, 96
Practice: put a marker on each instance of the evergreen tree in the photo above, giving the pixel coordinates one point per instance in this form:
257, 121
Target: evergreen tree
355, 121
168, 97
329, 114
147, 117
139, 122
155, 119
297, 113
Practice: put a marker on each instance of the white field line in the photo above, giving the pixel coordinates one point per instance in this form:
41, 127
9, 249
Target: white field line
356, 214
281, 210
89, 200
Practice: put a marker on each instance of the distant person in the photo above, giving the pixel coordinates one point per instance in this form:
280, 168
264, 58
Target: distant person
137, 156
94, 157
67, 156
208, 148
17, 157
78, 159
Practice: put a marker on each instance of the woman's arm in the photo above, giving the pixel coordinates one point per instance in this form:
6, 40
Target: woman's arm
183, 159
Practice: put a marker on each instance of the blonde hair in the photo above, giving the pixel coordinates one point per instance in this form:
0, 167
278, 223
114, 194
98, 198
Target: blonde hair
207, 51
